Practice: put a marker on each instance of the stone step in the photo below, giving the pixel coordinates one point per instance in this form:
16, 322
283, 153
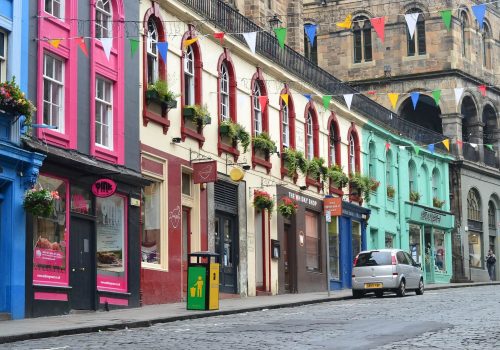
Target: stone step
4, 316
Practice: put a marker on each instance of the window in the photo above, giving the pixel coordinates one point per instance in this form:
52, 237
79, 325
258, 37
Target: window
53, 92
492, 215
388, 168
224, 93
425, 190
475, 229
189, 93
104, 113
333, 141
257, 110
485, 43
186, 184
55, 7
151, 212
389, 240
152, 52
473, 206
439, 251
352, 154
285, 125
412, 177
356, 238
372, 162
435, 184
3, 56
416, 45
310, 49
332, 144
415, 248
313, 242
333, 236
309, 136
464, 23
362, 39
103, 16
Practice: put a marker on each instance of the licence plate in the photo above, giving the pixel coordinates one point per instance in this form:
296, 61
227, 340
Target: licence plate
373, 285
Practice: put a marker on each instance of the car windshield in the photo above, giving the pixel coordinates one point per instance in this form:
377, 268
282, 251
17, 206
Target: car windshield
374, 259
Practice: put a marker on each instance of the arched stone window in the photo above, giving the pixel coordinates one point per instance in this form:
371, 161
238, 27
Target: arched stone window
362, 39
464, 33
486, 45
492, 215
473, 206
416, 44
475, 229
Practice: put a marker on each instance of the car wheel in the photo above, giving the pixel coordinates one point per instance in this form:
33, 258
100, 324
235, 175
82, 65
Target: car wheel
356, 294
401, 291
420, 289
379, 293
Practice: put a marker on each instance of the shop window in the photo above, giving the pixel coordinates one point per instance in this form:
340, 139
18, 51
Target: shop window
152, 52
475, 253
333, 236
474, 222
416, 44
103, 16
53, 92
310, 49
313, 242
3, 56
151, 215
55, 8
356, 239
111, 237
189, 77
439, 251
415, 246
389, 240
81, 201
50, 238
104, 113
186, 184
362, 39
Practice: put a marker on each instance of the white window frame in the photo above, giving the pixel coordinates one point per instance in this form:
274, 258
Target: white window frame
257, 110
224, 93
189, 76
51, 11
331, 141
309, 136
104, 105
435, 184
54, 84
152, 52
103, 19
285, 121
352, 154
3, 56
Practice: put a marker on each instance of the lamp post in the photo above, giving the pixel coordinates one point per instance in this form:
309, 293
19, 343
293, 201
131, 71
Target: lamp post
274, 22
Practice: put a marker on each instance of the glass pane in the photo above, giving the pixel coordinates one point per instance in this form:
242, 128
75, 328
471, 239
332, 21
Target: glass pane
333, 235
186, 184
110, 235
439, 249
475, 253
49, 66
415, 249
81, 201
151, 229
228, 258
356, 238
312, 242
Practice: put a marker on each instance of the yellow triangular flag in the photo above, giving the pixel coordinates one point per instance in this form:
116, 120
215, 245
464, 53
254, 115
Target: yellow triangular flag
188, 42
55, 42
346, 24
446, 144
285, 98
393, 97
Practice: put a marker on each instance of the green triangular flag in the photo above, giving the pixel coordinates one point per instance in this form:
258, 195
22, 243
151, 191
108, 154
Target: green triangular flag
437, 95
326, 101
416, 149
280, 35
490, 147
446, 16
134, 45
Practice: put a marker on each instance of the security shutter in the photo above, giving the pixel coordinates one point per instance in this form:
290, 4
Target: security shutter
226, 197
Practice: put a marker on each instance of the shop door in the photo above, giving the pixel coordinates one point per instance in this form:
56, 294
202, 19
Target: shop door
82, 267
186, 245
286, 262
226, 245
429, 255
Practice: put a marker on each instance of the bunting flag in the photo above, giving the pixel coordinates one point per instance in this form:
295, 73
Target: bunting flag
411, 21
473, 144
219, 36
437, 96
251, 38
55, 42
263, 102
162, 49
371, 92
387, 146
414, 99
446, 16
107, 43
416, 149
310, 30
281, 36
284, 97
479, 11
482, 88
188, 42
490, 147
446, 144
460, 143
326, 101
83, 47
458, 94
348, 100
390, 116
134, 45
346, 24
308, 96
393, 97
378, 24
431, 148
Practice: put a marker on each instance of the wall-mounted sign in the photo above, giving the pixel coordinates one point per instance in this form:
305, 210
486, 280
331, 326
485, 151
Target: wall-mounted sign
104, 188
333, 205
236, 174
205, 172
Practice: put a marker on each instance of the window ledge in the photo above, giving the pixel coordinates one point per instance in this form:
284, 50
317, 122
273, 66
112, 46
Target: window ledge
197, 135
56, 21
224, 147
415, 58
153, 267
363, 64
106, 154
149, 116
284, 172
337, 191
262, 162
314, 183
55, 138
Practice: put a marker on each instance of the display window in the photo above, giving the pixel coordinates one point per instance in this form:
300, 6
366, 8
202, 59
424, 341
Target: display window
50, 237
313, 242
415, 247
151, 218
356, 239
111, 237
440, 253
333, 236
475, 253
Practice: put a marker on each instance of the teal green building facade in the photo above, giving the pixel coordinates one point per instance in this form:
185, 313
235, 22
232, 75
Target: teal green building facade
410, 208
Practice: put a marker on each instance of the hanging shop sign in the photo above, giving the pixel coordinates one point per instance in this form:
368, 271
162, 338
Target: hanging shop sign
104, 188
333, 205
205, 172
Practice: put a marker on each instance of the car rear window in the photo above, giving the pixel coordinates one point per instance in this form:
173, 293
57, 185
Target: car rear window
374, 259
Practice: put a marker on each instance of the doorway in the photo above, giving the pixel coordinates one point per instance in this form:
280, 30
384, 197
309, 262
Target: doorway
82, 264
226, 245
186, 245
429, 255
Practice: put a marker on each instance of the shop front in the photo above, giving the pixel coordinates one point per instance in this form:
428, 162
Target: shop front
429, 241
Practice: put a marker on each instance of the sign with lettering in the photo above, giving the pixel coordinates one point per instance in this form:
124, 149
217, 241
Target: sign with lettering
429, 216
302, 199
333, 205
205, 172
104, 188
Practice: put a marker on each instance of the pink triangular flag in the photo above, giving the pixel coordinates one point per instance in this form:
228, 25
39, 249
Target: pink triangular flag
387, 146
263, 102
482, 88
81, 43
378, 24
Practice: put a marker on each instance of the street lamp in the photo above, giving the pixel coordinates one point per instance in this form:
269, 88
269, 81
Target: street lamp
274, 22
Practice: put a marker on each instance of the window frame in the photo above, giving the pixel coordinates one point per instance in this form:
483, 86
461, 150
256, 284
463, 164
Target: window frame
309, 136
103, 19
412, 177
464, 24
372, 160
474, 206
353, 149
333, 125
492, 215
362, 40
388, 168
435, 183
3, 55
61, 85
311, 114
416, 46
107, 84
62, 6
152, 65
318, 237
486, 47
189, 77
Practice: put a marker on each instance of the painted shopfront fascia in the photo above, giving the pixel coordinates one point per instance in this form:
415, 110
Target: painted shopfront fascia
155, 138
390, 216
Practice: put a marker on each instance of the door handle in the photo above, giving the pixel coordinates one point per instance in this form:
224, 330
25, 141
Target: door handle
82, 269
73, 270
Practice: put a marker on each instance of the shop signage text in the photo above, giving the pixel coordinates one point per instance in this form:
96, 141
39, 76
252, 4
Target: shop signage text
302, 199
205, 172
104, 188
430, 216
333, 205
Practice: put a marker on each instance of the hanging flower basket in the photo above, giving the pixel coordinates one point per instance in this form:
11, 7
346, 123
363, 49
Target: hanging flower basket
40, 202
13, 101
263, 200
288, 207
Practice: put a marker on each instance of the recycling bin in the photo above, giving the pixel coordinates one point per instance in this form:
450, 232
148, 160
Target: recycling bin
203, 281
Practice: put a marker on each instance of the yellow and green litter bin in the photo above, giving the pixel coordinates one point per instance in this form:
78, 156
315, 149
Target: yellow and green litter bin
203, 281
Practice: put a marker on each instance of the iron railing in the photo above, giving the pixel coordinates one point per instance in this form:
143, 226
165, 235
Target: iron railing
490, 158
470, 153
229, 20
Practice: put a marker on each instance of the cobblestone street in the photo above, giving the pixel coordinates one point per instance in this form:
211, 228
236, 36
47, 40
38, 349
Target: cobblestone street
463, 318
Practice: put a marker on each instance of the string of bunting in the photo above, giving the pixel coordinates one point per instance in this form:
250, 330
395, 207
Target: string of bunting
446, 142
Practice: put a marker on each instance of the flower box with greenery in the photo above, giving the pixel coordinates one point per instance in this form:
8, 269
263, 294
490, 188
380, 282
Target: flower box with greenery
287, 207
235, 132
337, 176
14, 103
390, 191
316, 169
262, 200
40, 202
437, 203
361, 185
374, 184
293, 161
414, 196
263, 143
159, 93
199, 115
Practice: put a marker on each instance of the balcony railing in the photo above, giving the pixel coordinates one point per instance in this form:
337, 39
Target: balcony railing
490, 158
231, 21
470, 153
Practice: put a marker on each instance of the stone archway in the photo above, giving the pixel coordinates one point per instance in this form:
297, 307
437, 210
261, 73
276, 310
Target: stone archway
426, 113
472, 129
490, 136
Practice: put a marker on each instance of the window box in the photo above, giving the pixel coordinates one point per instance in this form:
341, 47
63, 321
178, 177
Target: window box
390, 192
414, 196
437, 203
197, 114
159, 93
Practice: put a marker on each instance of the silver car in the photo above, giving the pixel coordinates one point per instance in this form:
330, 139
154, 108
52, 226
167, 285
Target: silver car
386, 270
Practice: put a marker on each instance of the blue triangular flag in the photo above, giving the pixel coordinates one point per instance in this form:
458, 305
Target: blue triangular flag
431, 148
479, 11
311, 32
162, 49
414, 98
308, 96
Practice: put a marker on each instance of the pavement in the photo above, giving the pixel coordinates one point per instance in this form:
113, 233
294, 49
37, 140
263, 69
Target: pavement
96, 321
